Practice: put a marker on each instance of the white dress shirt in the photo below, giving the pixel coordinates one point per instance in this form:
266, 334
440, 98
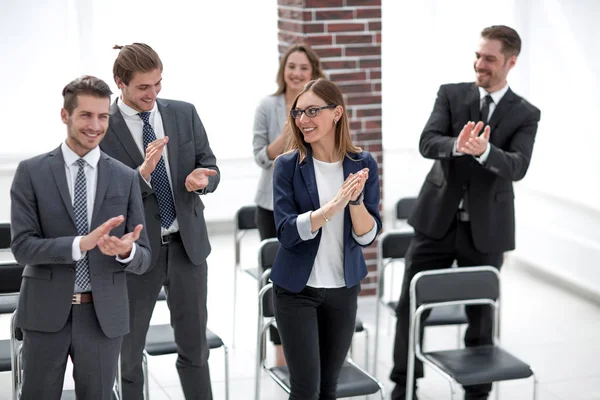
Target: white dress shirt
91, 177
136, 127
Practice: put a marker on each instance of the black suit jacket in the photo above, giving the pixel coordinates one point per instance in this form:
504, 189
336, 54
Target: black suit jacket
491, 198
188, 148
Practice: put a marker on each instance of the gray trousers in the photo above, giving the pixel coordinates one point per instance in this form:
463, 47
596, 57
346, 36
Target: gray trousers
95, 358
185, 285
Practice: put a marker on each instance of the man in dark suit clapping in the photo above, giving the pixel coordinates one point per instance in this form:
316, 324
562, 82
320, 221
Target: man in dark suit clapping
481, 137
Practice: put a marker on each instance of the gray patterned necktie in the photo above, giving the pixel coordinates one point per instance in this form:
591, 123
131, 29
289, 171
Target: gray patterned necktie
82, 271
160, 180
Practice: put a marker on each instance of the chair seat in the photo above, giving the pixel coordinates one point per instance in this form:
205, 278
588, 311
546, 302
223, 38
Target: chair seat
253, 272
8, 303
446, 315
480, 364
160, 340
5, 355
352, 381
358, 325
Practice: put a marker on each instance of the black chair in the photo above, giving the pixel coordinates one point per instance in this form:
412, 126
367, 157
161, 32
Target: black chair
160, 340
244, 221
353, 381
10, 284
392, 246
5, 235
404, 208
472, 365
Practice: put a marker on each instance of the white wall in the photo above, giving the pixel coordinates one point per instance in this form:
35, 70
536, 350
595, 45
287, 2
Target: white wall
426, 43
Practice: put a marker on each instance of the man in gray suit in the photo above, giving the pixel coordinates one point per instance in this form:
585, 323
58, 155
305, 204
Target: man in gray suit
166, 141
73, 299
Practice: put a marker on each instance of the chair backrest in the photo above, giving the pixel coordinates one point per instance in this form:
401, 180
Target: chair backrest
267, 252
10, 277
245, 218
404, 207
455, 284
394, 244
5, 235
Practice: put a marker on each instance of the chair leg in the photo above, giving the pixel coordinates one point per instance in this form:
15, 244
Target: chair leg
235, 273
366, 332
226, 352
535, 383
145, 372
458, 337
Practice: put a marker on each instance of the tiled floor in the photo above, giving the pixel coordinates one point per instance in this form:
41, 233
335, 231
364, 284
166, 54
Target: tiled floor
555, 331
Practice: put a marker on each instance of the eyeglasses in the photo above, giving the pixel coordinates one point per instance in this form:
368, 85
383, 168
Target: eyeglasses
310, 112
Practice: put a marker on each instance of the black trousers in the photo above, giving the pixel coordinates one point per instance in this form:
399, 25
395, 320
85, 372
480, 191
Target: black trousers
265, 222
425, 253
316, 327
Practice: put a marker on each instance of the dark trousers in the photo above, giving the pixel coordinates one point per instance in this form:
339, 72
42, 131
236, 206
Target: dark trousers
95, 358
265, 222
424, 254
185, 285
316, 327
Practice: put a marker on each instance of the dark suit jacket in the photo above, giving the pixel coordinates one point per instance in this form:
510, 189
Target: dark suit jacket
188, 149
43, 228
295, 192
491, 198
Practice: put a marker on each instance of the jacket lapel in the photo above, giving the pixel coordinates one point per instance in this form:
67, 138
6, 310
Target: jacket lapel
104, 172
170, 126
117, 123
502, 109
307, 169
57, 165
474, 102
281, 111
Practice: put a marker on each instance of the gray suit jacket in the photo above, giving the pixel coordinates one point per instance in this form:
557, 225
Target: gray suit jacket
269, 119
43, 229
188, 149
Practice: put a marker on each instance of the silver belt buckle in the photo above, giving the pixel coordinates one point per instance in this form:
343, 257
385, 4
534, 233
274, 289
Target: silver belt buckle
76, 298
163, 241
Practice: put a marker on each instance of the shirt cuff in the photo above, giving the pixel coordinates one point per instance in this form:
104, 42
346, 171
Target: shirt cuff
147, 181
367, 237
76, 250
263, 158
304, 226
483, 158
455, 152
128, 259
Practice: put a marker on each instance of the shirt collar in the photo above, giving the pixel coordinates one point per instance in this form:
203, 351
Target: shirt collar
130, 112
92, 157
496, 96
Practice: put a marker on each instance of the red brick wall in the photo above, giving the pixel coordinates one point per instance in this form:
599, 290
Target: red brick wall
346, 34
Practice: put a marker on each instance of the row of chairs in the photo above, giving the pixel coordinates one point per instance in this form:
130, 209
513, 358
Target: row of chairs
476, 285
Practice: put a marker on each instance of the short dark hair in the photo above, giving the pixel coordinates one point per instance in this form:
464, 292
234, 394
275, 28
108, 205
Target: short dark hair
136, 57
510, 39
86, 84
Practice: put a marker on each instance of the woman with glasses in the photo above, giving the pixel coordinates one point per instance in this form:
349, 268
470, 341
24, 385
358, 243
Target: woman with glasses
298, 65
326, 207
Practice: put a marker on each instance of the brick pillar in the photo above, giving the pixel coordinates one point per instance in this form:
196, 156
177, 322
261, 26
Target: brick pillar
346, 34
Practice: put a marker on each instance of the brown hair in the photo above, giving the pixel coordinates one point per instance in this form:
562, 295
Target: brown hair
313, 58
510, 39
136, 57
87, 85
331, 94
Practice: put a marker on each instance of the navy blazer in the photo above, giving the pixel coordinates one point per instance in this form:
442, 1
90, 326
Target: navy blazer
294, 193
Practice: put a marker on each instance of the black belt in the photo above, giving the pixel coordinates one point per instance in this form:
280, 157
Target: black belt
463, 216
166, 239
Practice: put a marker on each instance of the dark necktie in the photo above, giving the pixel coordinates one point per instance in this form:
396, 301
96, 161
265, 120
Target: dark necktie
82, 270
485, 110
160, 180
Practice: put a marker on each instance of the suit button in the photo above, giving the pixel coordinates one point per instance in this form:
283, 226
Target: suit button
157, 216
